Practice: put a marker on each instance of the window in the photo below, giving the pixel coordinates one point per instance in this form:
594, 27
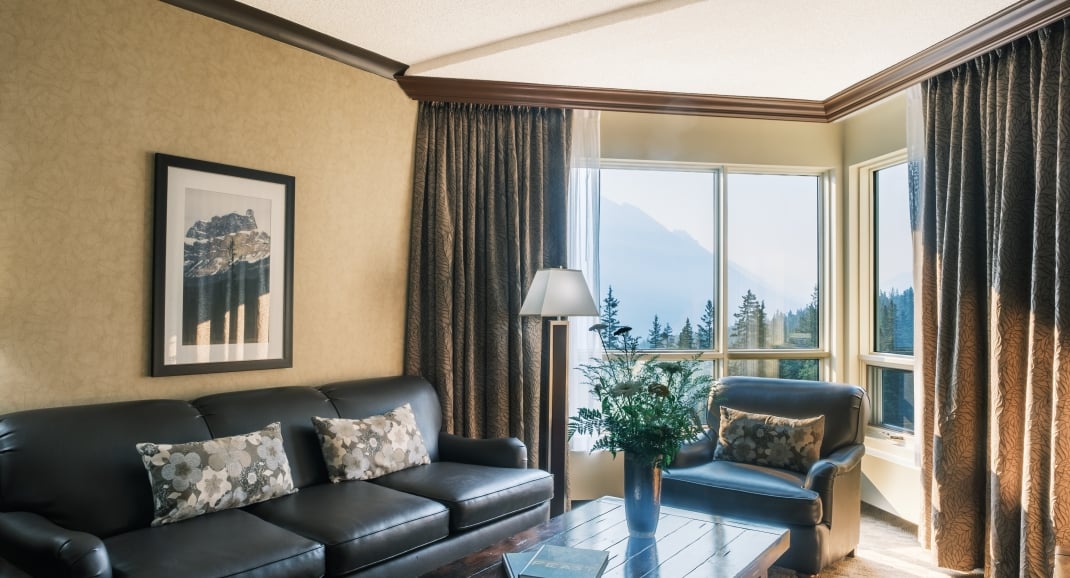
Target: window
718, 262
658, 255
887, 288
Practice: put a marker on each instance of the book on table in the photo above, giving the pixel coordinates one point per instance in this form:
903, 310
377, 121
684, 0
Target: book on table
514, 562
551, 561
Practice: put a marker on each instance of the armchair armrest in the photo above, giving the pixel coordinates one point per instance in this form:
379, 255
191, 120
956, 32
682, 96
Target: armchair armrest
695, 452
824, 471
40, 548
500, 452
843, 464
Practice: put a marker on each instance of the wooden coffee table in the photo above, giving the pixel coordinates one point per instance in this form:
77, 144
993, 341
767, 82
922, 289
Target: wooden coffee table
686, 544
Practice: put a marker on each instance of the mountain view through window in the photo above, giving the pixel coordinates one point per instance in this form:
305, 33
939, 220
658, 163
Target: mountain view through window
659, 253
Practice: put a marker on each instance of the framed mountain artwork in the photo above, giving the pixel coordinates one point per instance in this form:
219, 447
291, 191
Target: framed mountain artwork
222, 268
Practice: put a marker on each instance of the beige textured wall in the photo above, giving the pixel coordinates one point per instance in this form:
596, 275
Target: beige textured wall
719, 140
876, 130
89, 90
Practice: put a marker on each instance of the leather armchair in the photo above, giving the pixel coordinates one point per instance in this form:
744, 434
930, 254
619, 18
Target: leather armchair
822, 508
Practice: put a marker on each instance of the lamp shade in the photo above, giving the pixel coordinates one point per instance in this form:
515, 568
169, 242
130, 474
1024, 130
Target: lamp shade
558, 293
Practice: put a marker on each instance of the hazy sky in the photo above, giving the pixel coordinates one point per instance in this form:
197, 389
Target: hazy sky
772, 224
895, 259
690, 210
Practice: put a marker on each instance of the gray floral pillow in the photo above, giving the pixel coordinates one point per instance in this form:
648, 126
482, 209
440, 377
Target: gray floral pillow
769, 440
195, 478
362, 449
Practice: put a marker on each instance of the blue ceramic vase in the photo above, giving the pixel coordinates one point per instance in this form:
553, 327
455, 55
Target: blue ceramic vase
642, 495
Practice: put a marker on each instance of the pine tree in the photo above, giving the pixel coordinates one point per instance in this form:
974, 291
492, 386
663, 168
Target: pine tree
761, 324
809, 321
744, 334
686, 340
705, 327
654, 337
610, 307
886, 318
666, 337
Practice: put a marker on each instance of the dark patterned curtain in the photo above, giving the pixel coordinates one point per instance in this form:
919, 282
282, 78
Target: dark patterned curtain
488, 210
994, 218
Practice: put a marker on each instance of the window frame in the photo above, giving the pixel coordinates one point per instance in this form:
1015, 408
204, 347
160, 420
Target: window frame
719, 353
892, 442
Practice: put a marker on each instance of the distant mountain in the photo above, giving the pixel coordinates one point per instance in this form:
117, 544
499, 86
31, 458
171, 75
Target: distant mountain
654, 270
214, 246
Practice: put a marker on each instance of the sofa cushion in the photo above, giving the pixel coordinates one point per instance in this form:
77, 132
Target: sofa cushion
364, 397
360, 523
769, 440
237, 412
743, 491
474, 494
362, 449
195, 478
220, 544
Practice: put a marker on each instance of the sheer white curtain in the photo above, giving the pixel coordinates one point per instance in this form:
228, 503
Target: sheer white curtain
583, 254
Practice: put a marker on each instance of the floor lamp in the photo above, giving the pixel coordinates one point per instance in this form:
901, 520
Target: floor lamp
557, 293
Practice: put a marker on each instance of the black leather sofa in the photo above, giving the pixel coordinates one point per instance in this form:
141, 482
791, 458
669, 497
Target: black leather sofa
75, 498
821, 508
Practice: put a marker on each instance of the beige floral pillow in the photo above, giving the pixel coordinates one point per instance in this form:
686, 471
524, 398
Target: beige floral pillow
195, 478
362, 449
769, 440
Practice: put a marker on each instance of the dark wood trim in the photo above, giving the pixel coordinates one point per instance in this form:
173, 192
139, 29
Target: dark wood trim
267, 24
426, 88
1009, 24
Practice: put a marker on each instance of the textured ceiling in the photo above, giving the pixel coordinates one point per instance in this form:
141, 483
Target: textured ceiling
768, 48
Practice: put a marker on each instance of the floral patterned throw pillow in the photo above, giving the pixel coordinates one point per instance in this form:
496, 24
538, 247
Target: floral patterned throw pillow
769, 440
362, 449
196, 478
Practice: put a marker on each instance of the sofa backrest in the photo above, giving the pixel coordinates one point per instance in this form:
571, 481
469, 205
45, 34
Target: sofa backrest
241, 412
78, 466
367, 397
845, 407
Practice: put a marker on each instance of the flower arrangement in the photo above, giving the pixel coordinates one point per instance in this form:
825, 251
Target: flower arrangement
647, 408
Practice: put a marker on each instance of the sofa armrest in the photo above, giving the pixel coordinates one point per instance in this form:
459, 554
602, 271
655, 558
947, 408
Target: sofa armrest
38, 547
500, 452
696, 452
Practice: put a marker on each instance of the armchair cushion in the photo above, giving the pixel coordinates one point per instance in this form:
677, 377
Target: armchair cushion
362, 449
744, 491
768, 440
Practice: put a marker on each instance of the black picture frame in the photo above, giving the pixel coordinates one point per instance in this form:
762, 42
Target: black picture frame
222, 276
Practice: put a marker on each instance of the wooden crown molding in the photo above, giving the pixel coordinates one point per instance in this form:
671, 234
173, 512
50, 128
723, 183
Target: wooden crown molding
1011, 23
267, 24
517, 93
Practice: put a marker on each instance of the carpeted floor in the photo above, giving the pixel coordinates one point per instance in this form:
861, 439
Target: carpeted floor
888, 548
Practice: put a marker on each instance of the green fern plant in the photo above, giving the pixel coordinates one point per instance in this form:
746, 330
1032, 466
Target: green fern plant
646, 408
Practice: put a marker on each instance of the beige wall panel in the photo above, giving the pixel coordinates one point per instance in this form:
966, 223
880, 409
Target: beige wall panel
677, 138
875, 131
89, 90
